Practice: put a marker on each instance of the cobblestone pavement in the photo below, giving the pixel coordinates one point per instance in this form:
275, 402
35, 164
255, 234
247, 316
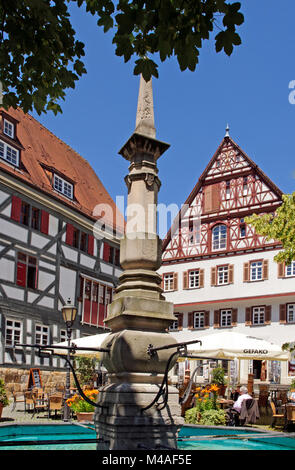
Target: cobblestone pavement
10, 416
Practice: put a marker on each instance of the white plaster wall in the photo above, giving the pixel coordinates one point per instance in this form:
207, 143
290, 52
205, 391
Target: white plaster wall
12, 229
38, 241
7, 269
87, 261
70, 254
44, 280
53, 225
67, 283
14, 292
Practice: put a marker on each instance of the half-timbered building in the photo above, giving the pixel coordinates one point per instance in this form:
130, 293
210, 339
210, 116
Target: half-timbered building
49, 252
221, 274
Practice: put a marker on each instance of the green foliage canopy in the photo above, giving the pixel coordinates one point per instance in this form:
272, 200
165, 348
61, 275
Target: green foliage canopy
40, 57
279, 226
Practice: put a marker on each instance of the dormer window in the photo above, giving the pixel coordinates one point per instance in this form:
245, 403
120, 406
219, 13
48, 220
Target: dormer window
9, 153
8, 128
63, 187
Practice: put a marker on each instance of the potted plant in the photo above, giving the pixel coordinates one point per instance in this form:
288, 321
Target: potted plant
218, 378
3, 396
84, 410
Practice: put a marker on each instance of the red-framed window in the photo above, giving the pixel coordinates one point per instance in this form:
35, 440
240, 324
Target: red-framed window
28, 215
79, 239
111, 254
95, 297
27, 271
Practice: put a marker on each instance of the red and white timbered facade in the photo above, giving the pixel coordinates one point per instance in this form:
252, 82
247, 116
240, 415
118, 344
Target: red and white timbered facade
217, 270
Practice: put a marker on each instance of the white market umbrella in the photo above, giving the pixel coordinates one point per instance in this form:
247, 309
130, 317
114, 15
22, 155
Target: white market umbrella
93, 341
231, 345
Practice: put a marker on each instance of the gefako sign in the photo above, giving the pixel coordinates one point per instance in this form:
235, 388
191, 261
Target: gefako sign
255, 351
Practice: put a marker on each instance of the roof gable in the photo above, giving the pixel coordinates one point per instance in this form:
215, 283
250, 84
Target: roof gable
229, 167
43, 154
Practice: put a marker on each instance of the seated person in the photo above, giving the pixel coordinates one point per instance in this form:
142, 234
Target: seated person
243, 396
237, 406
292, 396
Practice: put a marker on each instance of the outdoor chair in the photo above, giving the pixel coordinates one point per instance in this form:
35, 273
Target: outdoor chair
29, 401
55, 403
18, 397
275, 416
249, 412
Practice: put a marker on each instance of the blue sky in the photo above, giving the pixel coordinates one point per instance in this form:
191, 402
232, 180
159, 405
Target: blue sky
249, 90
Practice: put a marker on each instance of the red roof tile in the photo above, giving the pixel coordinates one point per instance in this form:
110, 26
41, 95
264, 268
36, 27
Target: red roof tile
42, 150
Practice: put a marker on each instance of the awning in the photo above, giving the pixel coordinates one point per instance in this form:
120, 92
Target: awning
231, 345
93, 341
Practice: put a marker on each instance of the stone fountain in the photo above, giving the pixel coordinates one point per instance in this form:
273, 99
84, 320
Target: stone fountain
139, 316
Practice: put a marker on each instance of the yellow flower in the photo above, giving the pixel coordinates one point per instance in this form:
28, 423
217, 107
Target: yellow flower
214, 388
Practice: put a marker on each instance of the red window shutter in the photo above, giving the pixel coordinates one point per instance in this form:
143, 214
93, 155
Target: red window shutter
283, 313
70, 234
117, 257
190, 320
16, 208
234, 316
246, 272
281, 270
202, 278
248, 316
90, 245
175, 281
180, 320
231, 274
216, 319
265, 269
267, 315
21, 274
185, 280
213, 276
44, 222
106, 252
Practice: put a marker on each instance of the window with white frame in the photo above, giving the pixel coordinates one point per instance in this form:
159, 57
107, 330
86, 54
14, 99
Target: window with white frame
41, 334
222, 275
194, 278
256, 271
258, 314
290, 313
13, 332
219, 237
290, 269
225, 317
62, 335
174, 325
62, 186
199, 319
8, 128
168, 282
8, 153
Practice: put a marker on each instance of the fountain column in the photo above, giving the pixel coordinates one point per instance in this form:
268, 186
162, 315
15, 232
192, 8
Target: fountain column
139, 315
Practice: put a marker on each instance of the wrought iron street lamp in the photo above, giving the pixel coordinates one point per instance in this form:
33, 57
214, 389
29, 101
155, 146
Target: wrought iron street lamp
69, 312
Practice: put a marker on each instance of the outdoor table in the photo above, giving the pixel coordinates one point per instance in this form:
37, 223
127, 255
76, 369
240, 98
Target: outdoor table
225, 403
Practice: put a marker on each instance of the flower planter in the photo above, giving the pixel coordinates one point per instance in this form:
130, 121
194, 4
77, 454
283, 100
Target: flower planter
85, 416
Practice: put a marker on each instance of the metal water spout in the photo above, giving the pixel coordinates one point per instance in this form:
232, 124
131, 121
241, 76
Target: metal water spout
139, 315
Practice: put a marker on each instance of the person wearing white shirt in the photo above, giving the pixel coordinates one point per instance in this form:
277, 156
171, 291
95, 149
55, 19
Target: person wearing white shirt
243, 396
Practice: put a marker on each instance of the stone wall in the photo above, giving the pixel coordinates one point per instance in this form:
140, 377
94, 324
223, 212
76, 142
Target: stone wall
16, 380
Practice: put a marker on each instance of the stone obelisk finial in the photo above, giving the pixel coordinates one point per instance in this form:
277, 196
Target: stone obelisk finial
145, 121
